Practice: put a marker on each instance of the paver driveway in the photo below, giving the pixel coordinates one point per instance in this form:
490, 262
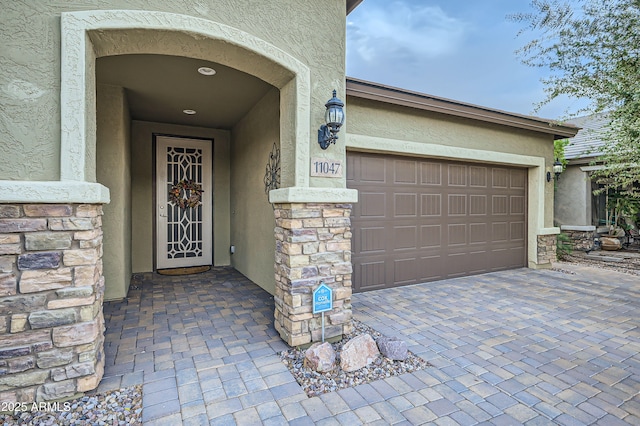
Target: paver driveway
514, 347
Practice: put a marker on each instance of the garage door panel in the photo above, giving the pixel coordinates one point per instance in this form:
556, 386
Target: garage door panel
370, 239
500, 178
478, 233
405, 172
518, 179
477, 205
421, 220
518, 231
478, 176
430, 268
499, 231
405, 237
430, 236
499, 205
455, 265
405, 271
518, 205
457, 175
457, 234
506, 258
431, 174
457, 204
431, 205
373, 275
477, 262
372, 170
372, 204
405, 205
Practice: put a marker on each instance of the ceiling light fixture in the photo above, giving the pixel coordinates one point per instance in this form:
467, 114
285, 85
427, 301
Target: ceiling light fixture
206, 71
188, 111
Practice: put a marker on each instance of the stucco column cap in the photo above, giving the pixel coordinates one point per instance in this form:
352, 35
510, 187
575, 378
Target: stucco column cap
296, 194
53, 192
578, 228
549, 231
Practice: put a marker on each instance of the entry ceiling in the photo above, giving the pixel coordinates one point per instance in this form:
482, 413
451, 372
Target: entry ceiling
160, 87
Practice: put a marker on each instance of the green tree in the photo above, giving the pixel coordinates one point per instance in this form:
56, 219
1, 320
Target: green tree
592, 50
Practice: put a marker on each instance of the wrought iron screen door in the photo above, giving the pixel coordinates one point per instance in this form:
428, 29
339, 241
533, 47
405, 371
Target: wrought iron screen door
184, 202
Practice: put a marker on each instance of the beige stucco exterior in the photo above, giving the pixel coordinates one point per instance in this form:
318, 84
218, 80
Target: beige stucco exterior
380, 127
114, 171
252, 219
574, 209
276, 47
75, 154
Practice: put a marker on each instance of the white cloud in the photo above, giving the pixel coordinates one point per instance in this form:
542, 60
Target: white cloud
401, 30
457, 49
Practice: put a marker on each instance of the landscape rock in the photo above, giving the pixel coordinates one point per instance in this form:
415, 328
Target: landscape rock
392, 348
320, 357
358, 353
610, 243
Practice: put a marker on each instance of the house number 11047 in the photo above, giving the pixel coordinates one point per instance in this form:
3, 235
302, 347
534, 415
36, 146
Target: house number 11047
324, 167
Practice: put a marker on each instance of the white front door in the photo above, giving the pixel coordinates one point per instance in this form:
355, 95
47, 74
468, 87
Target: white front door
183, 202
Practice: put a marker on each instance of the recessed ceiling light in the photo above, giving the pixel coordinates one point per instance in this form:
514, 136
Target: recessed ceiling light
188, 111
206, 71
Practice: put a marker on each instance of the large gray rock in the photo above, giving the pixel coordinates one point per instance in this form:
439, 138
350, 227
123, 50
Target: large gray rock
320, 357
392, 348
358, 353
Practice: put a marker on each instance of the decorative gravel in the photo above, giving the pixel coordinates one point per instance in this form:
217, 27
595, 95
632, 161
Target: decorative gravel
119, 407
315, 383
629, 263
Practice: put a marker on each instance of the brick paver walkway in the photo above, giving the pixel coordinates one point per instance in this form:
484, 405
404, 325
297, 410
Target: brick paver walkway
514, 347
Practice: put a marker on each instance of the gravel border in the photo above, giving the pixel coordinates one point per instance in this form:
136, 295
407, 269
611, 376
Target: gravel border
120, 407
630, 265
315, 383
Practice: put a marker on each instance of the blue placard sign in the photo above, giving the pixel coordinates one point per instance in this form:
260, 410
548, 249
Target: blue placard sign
322, 299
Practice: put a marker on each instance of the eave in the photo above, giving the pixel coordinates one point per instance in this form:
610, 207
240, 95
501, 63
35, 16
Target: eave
396, 96
352, 4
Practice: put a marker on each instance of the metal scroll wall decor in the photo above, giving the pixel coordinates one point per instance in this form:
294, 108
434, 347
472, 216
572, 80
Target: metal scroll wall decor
272, 173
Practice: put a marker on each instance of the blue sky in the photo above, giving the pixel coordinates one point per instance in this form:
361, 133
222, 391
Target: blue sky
457, 49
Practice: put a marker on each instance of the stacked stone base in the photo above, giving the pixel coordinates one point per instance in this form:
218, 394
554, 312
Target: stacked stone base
547, 245
51, 293
582, 238
313, 245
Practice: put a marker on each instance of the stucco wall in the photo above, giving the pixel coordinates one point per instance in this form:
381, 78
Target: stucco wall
393, 122
252, 217
142, 190
113, 170
573, 198
312, 32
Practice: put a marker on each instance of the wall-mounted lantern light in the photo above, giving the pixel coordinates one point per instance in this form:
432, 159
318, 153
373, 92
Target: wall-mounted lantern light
557, 169
334, 117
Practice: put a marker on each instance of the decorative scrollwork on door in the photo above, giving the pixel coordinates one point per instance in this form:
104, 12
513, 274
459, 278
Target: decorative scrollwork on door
272, 173
184, 225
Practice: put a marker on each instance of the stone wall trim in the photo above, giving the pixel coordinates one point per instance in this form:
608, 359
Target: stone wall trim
51, 334
313, 246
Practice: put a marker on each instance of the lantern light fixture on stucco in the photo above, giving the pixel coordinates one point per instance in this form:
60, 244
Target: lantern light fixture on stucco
557, 169
334, 118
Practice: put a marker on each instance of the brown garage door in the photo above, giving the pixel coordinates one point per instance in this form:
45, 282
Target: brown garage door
421, 220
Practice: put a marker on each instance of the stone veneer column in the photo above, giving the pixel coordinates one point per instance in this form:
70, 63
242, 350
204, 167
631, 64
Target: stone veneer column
51, 293
582, 238
313, 244
546, 249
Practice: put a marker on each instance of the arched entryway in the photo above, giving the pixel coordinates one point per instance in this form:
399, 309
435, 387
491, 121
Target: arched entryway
113, 147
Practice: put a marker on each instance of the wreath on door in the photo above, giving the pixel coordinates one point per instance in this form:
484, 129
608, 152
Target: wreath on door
186, 193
